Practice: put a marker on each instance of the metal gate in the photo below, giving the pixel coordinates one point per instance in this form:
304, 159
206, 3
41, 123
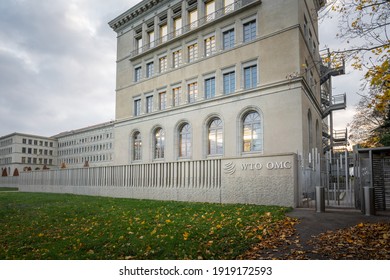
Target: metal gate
381, 181
334, 173
373, 170
339, 183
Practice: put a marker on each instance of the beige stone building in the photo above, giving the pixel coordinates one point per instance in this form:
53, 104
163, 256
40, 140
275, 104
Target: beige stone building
23, 152
86, 147
217, 79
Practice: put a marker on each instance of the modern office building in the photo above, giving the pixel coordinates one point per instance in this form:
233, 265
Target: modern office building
86, 147
25, 152
217, 79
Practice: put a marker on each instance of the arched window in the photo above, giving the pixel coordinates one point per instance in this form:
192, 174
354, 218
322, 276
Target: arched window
137, 146
185, 145
252, 132
215, 137
159, 143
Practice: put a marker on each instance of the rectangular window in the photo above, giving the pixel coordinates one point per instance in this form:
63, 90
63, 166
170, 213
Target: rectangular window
210, 47
210, 11
193, 17
163, 33
229, 82
139, 45
250, 77
149, 104
228, 39
137, 107
176, 92
178, 26
249, 31
149, 69
192, 52
163, 64
176, 59
209, 86
163, 100
192, 92
137, 74
229, 6
151, 39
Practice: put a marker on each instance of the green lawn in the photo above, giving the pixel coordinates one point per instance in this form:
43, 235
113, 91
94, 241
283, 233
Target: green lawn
2, 189
57, 226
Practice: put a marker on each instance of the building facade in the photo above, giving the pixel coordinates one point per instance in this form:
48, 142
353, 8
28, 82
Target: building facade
85, 147
217, 79
25, 152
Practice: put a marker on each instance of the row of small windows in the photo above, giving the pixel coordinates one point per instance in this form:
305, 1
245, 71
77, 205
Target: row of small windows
103, 136
176, 98
37, 142
83, 160
252, 138
7, 160
46, 152
210, 48
6, 142
5, 151
37, 160
86, 149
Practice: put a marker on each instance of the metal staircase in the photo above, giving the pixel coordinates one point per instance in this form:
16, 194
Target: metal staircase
331, 138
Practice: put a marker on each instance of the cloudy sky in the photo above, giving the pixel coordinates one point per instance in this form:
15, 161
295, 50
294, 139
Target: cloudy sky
57, 65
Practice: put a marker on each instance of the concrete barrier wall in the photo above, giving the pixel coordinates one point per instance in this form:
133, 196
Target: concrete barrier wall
265, 180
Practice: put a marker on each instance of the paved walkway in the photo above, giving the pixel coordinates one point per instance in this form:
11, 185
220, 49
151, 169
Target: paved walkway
313, 223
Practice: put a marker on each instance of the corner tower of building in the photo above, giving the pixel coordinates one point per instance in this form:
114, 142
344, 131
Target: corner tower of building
217, 79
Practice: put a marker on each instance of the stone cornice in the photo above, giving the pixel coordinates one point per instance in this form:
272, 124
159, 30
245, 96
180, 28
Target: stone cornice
133, 13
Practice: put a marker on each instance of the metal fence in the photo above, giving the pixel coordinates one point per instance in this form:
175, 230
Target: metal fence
205, 173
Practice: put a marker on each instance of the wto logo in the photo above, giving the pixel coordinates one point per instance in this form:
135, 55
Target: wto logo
229, 168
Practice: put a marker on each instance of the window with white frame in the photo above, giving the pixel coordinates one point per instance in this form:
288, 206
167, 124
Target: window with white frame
149, 104
137, 146
192, 92
178, 25
229, 6
229, 82
185, 144
210, 47
192, 52
139, 44
149, 69
163, 33
250, 76
249, 31
228, 39
137, 73
252, 132
177, 58
159, 143
193, 18
209, 87
176, 94
210, 10
215, 137
137, 107
162, 96
151, 39
163, 64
